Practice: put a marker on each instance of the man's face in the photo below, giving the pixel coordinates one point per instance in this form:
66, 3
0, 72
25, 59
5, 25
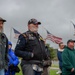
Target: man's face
1, 25
9, 46
61, 46
33, 27
71, 45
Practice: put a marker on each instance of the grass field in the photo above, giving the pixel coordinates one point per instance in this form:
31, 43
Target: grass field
53, 72
20, 73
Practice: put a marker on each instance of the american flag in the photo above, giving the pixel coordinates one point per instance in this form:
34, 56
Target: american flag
17, 33
53, 38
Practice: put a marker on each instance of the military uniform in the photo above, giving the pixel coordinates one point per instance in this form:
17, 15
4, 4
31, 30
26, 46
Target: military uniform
31, 48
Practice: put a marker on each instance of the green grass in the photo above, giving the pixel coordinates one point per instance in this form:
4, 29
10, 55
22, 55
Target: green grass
53, 72
20, 73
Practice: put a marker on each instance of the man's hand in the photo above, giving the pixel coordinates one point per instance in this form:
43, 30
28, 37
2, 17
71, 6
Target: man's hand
72, 69
32, 54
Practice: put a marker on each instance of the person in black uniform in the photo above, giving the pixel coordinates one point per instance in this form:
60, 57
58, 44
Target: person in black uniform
31, 48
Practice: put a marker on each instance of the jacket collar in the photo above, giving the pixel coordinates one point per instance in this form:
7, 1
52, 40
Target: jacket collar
69, 48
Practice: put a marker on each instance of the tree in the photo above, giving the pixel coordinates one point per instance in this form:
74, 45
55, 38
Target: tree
52, 51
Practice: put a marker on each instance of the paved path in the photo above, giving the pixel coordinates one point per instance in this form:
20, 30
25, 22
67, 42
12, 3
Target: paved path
54, 68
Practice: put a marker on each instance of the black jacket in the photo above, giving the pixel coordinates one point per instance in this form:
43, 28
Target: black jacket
29, 43
3, 51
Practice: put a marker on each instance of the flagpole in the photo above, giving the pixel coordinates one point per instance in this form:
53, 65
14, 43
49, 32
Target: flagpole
11, 33
74, 27
45, 29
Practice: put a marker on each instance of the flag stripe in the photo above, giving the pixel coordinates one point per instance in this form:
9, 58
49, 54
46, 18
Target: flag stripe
53, 38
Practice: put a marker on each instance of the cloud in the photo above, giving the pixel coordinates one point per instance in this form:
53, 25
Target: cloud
55, 16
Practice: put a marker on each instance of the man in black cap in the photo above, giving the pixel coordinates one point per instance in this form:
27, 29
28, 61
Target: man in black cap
68, 59
31, 48
3, 48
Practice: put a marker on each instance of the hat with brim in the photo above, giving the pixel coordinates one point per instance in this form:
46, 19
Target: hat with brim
1, 19
33, 21
70, 41
9, 43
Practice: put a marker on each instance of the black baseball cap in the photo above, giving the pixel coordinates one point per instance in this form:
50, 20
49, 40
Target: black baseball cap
1, 19
70, 41
33, 21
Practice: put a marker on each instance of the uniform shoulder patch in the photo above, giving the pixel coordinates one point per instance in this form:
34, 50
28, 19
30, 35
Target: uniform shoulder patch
41, 38
24, 35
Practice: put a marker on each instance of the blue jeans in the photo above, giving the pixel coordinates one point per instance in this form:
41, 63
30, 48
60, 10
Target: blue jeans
8, 72
37, 73
2, 72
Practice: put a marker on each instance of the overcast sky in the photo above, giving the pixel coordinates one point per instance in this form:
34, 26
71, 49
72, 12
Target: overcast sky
55, 16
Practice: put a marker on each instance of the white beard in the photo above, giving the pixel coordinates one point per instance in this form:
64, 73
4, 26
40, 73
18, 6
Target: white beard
34, 29
1, 30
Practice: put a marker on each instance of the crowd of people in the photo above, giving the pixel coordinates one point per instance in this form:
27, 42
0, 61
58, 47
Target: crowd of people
34, 54
30, 48
66, 57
